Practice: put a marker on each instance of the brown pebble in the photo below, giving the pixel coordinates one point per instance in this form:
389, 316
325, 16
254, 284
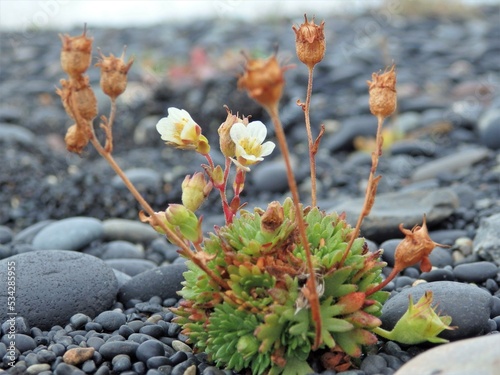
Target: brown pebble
75, 356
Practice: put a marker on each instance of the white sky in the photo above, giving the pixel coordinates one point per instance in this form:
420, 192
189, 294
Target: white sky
34, 14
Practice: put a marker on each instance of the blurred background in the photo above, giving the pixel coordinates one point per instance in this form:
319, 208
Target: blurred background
32, 14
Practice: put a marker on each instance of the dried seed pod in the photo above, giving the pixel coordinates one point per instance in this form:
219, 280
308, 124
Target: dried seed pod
227, 145
76, 139
310, 42
382, 91
263, 80
76, 53
415, 247
114, 74
82, 99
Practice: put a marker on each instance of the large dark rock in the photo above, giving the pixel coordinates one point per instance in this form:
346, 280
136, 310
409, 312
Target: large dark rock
53, 285
469, 307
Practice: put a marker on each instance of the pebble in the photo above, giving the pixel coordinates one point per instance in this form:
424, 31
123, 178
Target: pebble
131, 267
112, 348
52, 286
128, 230
69, 234
76, 356
110, 320
477, 355
486, 241
392, 209
489, 128
122, 249
459, 160
477, 272
162, 281
468, 305
148, 349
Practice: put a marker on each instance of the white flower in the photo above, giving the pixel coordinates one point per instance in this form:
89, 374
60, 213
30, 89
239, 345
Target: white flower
248, 141
180, 130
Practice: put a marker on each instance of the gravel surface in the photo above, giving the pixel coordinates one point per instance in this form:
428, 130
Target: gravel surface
95, 284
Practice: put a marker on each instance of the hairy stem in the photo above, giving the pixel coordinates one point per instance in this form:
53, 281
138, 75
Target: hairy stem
312, 151
371, 189
311, 282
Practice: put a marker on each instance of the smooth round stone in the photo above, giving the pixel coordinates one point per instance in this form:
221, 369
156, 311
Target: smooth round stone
450, 163
27, 235
112, 348
148, 349
121, 363
142, 178
121, 278
489, 128
23, 342
110, 320
131, 267
79, 320
477, 272
128, 230
69, 234
270, 177
468, 305
37, 368
21, 325
65, 369
487, 238
162, 281
157, 361
6, 234
438, 275
54, 285
16, 134
392, 209
122, 249
477, 355
373, 364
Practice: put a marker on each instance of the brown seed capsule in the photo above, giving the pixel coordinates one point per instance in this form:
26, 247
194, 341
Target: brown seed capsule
83, 99
310, 42
263, 80
76, 53
114, 74
76, 139
382, 91
272, 218
415, 247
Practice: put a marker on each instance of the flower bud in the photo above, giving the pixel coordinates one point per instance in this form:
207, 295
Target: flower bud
227, 145
382, 91
263, 80
114, 74
76, 54
310, 42
185, 221
195, 190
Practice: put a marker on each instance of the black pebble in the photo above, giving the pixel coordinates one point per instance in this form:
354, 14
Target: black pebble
148, 349
477, 272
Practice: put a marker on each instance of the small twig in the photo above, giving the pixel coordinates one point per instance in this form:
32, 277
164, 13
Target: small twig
312, 150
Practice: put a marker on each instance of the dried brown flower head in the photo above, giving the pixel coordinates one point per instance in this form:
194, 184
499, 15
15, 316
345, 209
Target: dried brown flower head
76, 53
272, 218
310, 42
114, 74
263, 80
76, 139
78, 99
227, 145
415, 247
382, 91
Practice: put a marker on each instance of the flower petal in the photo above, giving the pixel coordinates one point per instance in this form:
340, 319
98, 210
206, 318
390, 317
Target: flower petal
238, 131
166, 129
267, 148
257, 130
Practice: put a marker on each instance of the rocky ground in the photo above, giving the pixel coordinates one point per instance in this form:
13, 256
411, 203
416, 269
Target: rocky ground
441, 158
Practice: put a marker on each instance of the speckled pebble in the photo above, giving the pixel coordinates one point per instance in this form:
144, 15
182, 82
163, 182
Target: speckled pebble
477, 272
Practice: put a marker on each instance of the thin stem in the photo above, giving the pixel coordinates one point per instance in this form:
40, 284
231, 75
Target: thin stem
108, 127
313, 300
312, 152
371, 189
